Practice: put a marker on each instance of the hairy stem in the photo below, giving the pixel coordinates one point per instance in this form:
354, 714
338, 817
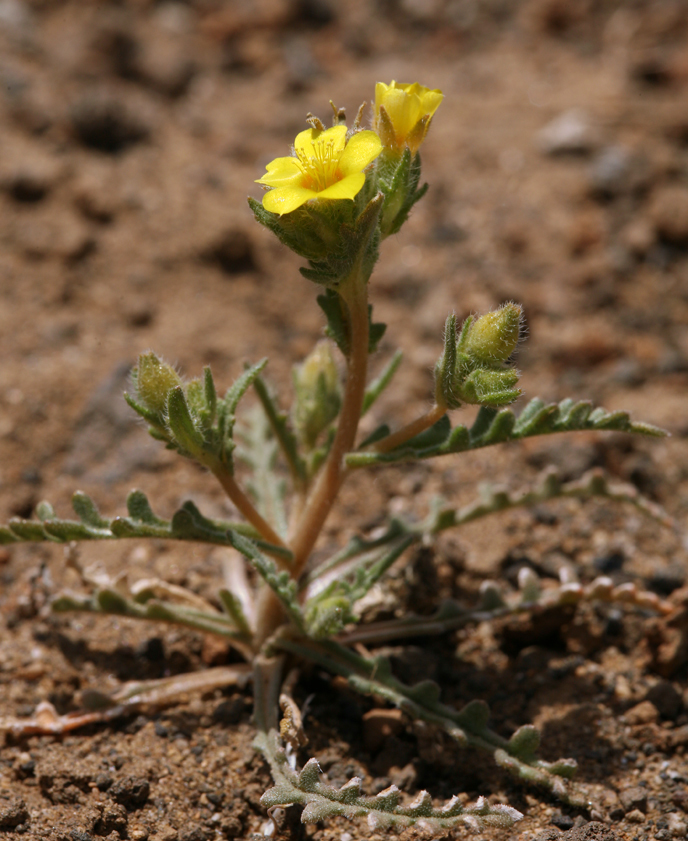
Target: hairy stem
328, 483
324, 493
401, 436
245, 506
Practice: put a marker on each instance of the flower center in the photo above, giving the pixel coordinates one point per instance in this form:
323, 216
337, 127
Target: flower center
321, 169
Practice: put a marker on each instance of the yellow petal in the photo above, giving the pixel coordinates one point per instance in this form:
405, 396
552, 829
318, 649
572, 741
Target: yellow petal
380, 91
285, 199
430, 101
281, 171
306, 140
403, 110
347, 188
361, 149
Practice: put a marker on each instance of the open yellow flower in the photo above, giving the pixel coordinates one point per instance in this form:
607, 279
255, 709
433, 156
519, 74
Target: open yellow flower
403, 114
324, 166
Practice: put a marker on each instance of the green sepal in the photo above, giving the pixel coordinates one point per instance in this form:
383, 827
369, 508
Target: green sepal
445, 368
186, 436
398, 177
304, 231
155, 420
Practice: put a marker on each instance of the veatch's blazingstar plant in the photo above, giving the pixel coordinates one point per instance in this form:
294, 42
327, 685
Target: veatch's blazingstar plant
333, 201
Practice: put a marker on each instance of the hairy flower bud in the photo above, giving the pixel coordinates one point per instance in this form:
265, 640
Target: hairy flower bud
154, 381
493, 337
318, 393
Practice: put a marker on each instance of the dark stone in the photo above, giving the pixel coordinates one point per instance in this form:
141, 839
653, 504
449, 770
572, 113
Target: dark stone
233, 252
161, 730
562, 821
231, 827
612, 562
230, 711
105, 123
634, 798
666, 698
13, 814
103, 782
666, 581
132, 792
27, 187
26, 769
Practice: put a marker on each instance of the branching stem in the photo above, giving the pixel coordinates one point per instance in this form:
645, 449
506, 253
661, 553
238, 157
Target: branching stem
401, 436
328, 483
245, 506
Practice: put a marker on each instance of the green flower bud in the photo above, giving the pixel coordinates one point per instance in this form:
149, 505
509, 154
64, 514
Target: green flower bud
154, 381
493, 337
490, 388
318, 393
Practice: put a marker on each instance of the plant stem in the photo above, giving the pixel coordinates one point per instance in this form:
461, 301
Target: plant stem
319, 504
245, 506
396, 439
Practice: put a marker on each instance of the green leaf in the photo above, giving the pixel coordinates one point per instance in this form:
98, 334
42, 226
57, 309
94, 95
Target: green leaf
337, 330
279, 422
233, 608
433, 437
139, 509
87, 511
379, 384
281, 583
377, 434
241, 386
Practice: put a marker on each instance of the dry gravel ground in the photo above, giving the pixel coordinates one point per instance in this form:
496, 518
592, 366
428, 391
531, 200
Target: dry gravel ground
130, 134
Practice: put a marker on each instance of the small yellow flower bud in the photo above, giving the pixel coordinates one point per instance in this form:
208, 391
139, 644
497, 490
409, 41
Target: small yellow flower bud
493, 337
403, 114
154, 381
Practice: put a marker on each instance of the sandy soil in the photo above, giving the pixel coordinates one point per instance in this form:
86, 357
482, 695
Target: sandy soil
130, 135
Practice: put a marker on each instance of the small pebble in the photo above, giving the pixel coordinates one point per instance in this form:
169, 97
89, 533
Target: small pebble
634, 798
571, 133
643, 713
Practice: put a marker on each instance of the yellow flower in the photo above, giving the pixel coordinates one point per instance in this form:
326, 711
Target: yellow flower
403, 114
324, 166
